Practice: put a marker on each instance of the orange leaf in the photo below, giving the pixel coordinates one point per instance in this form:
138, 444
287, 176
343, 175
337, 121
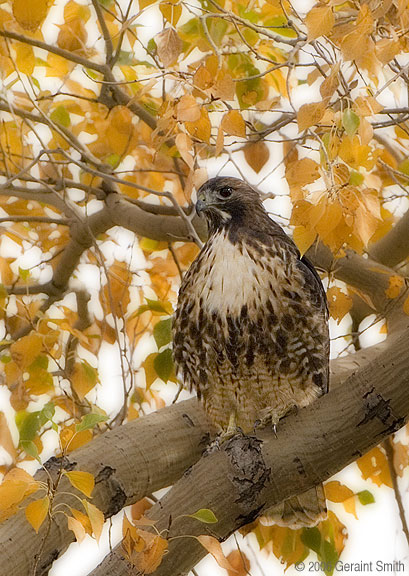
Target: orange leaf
256, 155
337, 492
214, 548
84, 378
396, 284
37, 511
339, 303
233, 123
374, 466
82, 481
201, 129
26, 349
30, 14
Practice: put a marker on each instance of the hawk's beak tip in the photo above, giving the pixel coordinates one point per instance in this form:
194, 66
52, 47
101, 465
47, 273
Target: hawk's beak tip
200, 206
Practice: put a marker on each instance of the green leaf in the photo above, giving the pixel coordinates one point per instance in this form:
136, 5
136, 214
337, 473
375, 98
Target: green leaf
204, 515
163, 364
162, 332
155, 306
366, 497
30, 449
126, 58
40, 362
350, 121
329, 557
48, 411
61, 116
24, 274
113, 160
404, 166
356, 178
28, 424
311, 537
89, 421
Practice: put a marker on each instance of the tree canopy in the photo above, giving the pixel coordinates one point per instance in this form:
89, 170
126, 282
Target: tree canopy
112, 113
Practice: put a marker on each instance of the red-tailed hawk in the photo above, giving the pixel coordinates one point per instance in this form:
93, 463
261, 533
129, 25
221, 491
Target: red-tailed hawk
251, 326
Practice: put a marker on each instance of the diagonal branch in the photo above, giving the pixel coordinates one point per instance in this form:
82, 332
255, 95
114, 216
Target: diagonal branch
248, 475
70, 56
125, 471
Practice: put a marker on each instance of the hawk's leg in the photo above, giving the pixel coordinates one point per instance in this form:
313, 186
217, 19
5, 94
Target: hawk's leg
225, 434
269, 416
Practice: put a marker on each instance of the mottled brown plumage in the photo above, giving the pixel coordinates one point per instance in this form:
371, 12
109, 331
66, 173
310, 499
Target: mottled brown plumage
250, 330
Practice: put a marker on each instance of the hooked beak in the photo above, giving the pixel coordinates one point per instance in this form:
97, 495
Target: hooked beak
200, 206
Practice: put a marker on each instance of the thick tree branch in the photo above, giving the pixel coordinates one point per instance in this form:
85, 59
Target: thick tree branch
394, 247
128, 463
248, 475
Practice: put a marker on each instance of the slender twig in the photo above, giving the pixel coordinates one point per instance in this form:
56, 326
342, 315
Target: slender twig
389, 449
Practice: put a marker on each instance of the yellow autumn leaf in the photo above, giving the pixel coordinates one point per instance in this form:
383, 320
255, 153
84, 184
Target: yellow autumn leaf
310, 114
143, 549
25, 58
302, 172
78, 529
214, 548
82, 481
30, 14
96, 518
339, 303
17, 485
395, 286
171, 11
233, 123
304, 238
319, 21
374, 466
330, 84
37, 511
6, 440
26, 349
256, 155
84, 378
200, 129
184, 145
337, 492
187, 109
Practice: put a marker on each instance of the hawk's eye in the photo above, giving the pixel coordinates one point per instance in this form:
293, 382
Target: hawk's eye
225, 192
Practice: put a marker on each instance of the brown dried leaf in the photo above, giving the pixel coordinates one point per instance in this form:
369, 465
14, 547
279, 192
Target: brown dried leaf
256, 155
169, 46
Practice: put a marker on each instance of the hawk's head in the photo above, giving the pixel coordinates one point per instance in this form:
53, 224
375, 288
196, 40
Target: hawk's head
225, 201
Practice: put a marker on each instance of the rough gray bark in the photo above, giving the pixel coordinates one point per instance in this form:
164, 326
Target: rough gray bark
128, 463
